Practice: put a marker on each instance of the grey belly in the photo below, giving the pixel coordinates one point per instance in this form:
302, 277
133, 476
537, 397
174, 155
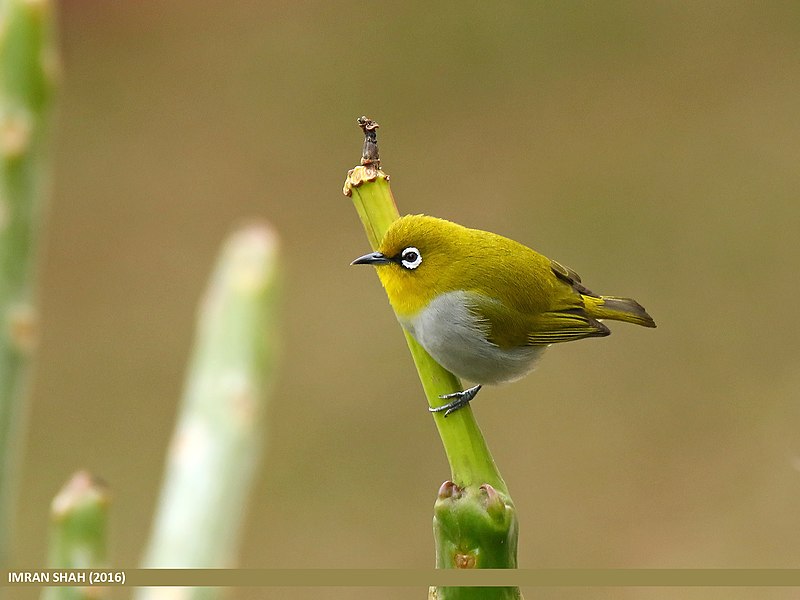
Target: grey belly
453, 336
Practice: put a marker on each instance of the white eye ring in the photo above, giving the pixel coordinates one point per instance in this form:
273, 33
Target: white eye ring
411, 258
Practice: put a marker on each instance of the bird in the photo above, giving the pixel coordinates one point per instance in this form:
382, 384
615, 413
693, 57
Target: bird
486, 307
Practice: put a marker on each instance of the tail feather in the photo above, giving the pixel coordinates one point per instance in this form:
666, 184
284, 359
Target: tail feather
618, 309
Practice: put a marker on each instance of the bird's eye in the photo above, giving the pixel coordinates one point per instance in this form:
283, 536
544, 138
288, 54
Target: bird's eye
411, 258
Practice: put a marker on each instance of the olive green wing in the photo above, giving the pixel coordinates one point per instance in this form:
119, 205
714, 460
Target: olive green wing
508, 328
531, 300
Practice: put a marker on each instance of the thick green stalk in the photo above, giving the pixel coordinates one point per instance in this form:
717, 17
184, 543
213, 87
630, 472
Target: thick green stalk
79, 521
475, 523
27, 65
220, 431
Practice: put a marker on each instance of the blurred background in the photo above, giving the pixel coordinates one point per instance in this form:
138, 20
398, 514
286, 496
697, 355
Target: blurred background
652, 147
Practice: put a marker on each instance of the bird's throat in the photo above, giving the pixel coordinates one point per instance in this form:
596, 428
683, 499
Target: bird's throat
406, 298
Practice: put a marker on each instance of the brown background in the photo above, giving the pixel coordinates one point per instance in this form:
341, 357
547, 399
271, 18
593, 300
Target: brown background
653, 147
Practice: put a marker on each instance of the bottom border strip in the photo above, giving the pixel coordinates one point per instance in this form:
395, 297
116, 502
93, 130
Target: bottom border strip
403, 577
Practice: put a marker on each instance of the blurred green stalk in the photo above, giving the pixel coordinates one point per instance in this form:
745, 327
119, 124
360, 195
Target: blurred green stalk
27, 74
79, 521
474, 522
219, 436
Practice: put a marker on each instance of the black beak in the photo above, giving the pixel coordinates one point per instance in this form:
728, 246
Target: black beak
373, 258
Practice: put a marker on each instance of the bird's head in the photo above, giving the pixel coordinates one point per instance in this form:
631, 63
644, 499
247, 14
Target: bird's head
417, 260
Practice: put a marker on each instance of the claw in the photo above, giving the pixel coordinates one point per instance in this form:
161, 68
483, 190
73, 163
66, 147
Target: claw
460, 399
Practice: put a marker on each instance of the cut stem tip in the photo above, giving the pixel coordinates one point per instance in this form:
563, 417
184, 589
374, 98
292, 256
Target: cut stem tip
370, 154
370, 167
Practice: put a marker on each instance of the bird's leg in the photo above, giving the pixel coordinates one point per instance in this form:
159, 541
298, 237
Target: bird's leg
459, 399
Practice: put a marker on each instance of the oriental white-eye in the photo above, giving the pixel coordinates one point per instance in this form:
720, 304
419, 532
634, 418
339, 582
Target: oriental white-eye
483, 306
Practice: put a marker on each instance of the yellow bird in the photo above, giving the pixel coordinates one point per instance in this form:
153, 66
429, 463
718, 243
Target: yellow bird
483, 306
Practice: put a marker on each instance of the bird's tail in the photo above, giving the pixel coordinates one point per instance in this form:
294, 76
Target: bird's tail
618, 309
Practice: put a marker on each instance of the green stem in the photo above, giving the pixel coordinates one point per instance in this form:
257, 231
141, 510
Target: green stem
220, 432
79, 521
467, 453
27, 66
475, 523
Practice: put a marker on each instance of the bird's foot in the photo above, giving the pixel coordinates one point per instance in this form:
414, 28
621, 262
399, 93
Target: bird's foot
459, 399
